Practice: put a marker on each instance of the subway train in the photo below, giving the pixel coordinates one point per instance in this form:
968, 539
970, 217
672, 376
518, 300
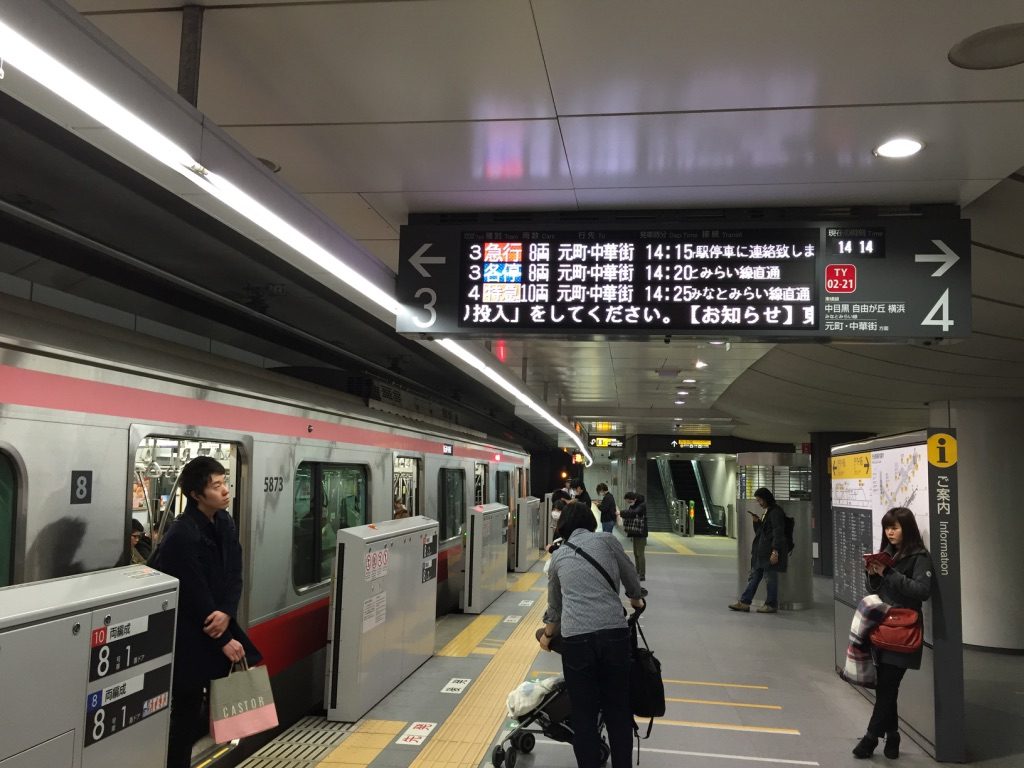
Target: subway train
96, 422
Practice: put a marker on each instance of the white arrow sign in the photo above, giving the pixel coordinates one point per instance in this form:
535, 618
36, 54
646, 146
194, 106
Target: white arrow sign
418, 259
947, 258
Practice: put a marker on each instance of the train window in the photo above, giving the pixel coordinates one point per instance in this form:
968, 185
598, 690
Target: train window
503, 483
451, 502
405, 485
479, 483
328, 497
156, 498
8, 487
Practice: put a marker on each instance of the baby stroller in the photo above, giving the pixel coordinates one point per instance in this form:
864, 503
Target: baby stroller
549, 717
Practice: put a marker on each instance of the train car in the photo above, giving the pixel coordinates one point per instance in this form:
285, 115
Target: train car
96, 422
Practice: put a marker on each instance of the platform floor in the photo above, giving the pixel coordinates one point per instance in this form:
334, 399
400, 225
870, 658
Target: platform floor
742, 689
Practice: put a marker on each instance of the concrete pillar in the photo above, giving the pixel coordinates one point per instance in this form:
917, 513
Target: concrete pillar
989, 436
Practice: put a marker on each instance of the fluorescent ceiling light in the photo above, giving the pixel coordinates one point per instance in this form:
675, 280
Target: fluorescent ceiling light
51, 74
689, 381
716, 343
700, 364
475, 362
901, 147
38, 65
680, 402
681, 392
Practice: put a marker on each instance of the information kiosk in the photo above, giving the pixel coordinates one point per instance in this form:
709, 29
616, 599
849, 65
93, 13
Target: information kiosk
381, 620
918, 471
486, 556
85, 665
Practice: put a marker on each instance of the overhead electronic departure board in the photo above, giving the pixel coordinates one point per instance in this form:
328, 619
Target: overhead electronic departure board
902, 278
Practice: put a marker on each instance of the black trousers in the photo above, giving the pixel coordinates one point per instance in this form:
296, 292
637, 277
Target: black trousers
884, 717
187, 723
596, 669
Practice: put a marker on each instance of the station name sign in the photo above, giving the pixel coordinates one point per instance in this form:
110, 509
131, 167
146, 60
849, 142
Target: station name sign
883, 278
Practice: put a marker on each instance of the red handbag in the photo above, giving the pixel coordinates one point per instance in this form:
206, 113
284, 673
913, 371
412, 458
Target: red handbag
900, 632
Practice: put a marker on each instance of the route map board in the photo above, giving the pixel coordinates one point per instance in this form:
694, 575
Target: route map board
918, 471
864, 487
797, 278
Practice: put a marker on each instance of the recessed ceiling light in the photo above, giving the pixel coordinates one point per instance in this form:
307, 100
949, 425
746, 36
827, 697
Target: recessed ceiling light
680, 402
681, 392
901, 147
700, 364
992, 48
689, 381
678, 418
716, 343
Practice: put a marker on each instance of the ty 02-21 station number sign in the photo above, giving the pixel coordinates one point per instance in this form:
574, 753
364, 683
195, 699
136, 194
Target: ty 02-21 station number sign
881, 278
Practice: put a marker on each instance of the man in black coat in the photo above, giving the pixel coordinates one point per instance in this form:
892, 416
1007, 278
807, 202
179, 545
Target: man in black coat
769, 554
201, 550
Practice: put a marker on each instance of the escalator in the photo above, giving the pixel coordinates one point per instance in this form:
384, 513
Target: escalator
658, 517
688, 488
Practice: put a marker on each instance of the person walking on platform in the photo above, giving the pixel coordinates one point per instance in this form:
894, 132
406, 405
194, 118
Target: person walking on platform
905, 584
769, 554
634, 523
201, 550
607, 507
584, 607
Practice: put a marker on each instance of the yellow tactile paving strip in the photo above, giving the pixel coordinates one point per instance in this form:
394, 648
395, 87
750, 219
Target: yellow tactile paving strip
363, 745
671, 541
462, 740
524, 582
468, 639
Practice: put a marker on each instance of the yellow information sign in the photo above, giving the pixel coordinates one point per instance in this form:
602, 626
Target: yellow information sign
853, 466
942, 450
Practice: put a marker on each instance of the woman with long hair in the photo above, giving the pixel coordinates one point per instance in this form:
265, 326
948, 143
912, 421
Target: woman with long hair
905, 584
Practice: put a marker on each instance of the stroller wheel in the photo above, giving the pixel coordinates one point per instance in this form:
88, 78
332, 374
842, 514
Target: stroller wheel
525, 743
497, 756
511, 756
604, 753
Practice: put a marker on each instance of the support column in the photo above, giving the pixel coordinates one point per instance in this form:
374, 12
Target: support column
189, 53
989, 435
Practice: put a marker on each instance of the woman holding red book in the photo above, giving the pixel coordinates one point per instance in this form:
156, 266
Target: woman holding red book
906, 583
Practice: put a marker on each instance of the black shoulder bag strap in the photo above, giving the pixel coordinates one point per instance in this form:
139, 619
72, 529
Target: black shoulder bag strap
596, 564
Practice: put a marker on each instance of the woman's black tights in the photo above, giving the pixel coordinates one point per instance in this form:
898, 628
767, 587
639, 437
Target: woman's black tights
884, 717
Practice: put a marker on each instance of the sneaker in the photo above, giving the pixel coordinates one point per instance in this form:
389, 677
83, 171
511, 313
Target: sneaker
739, 606
767, 609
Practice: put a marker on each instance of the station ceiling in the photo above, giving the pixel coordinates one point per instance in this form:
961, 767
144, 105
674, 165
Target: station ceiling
377, 110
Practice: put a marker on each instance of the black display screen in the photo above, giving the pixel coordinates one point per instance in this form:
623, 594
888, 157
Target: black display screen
783, 275
656, 280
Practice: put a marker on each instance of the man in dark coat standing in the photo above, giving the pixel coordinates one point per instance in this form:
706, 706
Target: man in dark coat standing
769, 554
201, 550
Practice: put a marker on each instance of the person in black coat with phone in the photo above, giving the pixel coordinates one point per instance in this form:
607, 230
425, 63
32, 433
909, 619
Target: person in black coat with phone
907, 583
769, 554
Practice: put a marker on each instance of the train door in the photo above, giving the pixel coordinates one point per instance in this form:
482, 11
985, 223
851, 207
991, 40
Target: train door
451, 518
503, 494
480, 484
327, 498
8, 499
406, 487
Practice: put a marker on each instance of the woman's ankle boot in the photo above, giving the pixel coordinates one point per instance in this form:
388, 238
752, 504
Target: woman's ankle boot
865, 746
892, 745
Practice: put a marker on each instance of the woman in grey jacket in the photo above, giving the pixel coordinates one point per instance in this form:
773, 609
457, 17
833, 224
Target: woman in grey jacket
905, 584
